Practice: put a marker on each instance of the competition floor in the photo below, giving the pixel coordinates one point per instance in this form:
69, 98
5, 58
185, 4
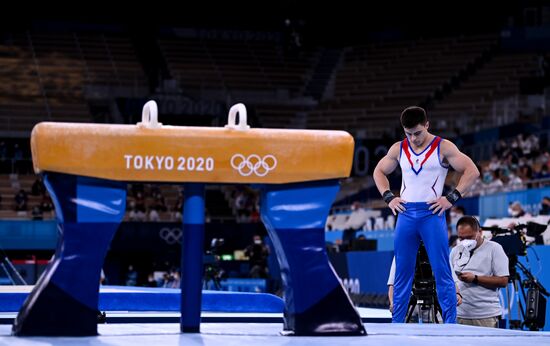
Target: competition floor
267, 334
256, 324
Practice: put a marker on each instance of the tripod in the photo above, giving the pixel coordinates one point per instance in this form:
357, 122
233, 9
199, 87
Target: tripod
424, 297
533, 314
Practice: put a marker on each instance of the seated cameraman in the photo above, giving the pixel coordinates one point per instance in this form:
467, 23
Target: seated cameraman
480, 268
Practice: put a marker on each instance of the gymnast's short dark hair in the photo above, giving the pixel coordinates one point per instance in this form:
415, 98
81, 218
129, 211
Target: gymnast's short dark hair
413, 116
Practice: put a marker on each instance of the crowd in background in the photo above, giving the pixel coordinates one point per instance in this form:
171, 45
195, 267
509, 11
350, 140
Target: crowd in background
516, 164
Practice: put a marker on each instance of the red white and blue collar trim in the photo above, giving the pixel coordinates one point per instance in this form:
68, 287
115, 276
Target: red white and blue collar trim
407, 149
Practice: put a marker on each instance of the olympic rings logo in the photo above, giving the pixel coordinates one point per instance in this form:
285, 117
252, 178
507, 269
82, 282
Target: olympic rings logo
171, 236
253, 164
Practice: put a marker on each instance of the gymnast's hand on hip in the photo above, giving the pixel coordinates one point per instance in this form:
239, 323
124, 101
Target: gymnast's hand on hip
396, 205
439, 205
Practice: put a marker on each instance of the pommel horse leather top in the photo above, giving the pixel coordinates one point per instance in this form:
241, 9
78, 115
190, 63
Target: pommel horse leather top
150, 151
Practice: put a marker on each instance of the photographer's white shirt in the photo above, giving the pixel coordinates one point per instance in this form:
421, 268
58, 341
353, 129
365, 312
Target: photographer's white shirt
487, 260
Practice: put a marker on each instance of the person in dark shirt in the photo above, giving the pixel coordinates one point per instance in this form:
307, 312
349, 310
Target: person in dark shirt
257, 253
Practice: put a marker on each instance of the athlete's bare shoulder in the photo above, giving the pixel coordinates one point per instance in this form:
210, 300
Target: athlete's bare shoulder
448, 148
393, 153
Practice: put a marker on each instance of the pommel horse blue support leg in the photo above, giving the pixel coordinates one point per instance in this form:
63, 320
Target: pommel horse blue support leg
315, 301
191, 258
64, 301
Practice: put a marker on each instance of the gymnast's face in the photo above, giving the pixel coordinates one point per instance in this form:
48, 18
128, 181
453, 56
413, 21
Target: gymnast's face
417, 135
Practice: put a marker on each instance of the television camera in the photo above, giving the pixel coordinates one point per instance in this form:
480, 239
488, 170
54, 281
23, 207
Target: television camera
514, 241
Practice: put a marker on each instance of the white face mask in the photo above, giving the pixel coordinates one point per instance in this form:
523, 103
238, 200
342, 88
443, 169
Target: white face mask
469, 244
257, 241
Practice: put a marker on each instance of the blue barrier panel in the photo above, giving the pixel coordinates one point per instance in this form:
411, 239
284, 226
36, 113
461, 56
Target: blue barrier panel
333, 236
529, 199
384, 238
243, 285
470, 204
371, 268
493, 206
497, 205
28, 235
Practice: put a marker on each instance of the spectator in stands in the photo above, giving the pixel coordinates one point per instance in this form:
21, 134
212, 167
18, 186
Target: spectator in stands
178, 207
21, 200
135, 214
4, 167
257, 253
516, 210
355, 221
487, 176
154, 189
330, 222
166, 280
154, 215
38, 188
496, 184
545, 206
543, 174
241, 204
478, 185
151, 282
525, 171
514, 181
131, 276
457, 211
424, 159
172, 278
159, 203
136, 188
501, 149
176, 279
46, 204
542, 65
17, 161
494, 164
480, 269
37, 213
255, 215
515, 147
140, 203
